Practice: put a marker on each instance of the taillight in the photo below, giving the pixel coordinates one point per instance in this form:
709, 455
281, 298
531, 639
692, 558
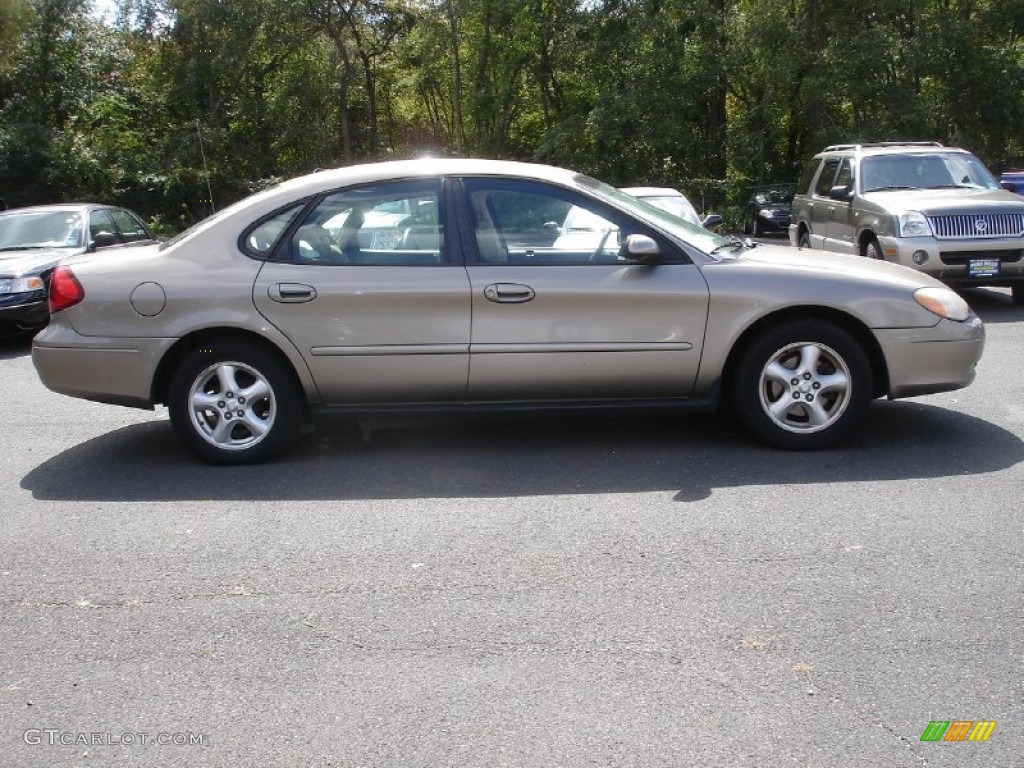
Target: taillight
65, 290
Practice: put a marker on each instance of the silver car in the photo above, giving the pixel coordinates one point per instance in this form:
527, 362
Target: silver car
281, 305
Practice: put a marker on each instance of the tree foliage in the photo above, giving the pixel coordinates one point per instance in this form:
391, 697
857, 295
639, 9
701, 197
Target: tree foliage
173, 99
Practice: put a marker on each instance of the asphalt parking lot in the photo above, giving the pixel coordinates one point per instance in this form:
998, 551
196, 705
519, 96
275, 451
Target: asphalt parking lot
619, 590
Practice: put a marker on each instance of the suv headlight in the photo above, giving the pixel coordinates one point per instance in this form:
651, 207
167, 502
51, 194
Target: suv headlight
914, 224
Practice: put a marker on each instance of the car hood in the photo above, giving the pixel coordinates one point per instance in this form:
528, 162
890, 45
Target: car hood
22, 263
937, 202
786, 258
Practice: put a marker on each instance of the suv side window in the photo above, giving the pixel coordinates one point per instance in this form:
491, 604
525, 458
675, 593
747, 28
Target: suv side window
804, 187
827, 177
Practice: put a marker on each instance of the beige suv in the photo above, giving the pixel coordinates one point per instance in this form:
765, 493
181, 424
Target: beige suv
936, 209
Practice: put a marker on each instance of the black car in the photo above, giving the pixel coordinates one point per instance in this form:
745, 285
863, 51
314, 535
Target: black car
768, 210
34, 240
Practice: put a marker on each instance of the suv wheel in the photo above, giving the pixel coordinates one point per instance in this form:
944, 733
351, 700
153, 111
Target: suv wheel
872, 250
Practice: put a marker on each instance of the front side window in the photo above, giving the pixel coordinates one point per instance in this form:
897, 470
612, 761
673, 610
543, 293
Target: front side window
132, 230
827, 177
390, 224
522, 222
844, 177
100, 221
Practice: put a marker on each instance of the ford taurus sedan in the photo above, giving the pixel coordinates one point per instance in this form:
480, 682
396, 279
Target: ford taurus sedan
279, 307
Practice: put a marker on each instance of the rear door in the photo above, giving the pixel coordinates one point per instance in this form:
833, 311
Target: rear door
367, 284
558, 313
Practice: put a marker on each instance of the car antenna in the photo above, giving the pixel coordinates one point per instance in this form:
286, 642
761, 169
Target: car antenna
206, 170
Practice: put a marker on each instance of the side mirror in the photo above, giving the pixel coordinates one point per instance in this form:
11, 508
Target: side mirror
103, 240
841, 193
712, 220
641, 249
552, 227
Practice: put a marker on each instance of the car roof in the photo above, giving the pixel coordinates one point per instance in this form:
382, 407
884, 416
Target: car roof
891, 148
652, 192
426, 166
56, 207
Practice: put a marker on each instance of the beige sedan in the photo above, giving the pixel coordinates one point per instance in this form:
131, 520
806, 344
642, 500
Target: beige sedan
449, 284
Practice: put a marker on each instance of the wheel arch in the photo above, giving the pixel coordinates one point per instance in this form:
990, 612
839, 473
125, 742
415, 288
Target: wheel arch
856, 328
199, 338
863, 238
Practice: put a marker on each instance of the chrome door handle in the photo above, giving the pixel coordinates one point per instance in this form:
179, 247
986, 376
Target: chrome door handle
508, 293
291, 293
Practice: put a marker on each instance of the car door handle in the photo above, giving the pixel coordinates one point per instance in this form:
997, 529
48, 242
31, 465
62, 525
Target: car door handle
291, 293
508, 293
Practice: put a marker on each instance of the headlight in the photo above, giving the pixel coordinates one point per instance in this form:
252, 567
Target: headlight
943, 302
914, 224
21, 285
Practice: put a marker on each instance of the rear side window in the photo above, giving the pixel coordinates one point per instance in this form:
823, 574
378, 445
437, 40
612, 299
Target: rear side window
262, 238
804, 187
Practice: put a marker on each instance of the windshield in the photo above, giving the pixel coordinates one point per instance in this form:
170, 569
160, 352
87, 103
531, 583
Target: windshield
925, 170
34, 230
693, 234
677, 205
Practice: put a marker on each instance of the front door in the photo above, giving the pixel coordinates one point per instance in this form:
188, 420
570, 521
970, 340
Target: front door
558, 313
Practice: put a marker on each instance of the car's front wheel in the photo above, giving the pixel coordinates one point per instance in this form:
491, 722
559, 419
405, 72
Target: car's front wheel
805, 239
233, 403
802, 384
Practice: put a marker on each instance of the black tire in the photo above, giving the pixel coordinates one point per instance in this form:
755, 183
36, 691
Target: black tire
756, 228
805, 239
832, 389
215, 419
746, 225
872, 250
1017, 294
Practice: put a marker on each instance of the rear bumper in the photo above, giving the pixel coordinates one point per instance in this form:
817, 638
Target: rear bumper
117, 371
923, 361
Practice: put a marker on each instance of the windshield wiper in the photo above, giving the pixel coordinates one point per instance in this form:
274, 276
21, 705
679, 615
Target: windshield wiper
888, 188
734, 244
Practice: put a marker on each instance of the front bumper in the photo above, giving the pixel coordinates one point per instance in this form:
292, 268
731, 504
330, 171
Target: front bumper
26, 311
949, 260
923, 361
117, 371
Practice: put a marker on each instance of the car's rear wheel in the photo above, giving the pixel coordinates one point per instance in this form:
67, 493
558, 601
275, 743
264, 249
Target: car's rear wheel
233, 403
802, 384
872, 250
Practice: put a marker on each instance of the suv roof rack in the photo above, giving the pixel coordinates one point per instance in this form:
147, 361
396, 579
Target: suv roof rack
840, 147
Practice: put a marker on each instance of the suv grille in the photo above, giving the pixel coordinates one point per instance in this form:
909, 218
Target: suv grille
977, 225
